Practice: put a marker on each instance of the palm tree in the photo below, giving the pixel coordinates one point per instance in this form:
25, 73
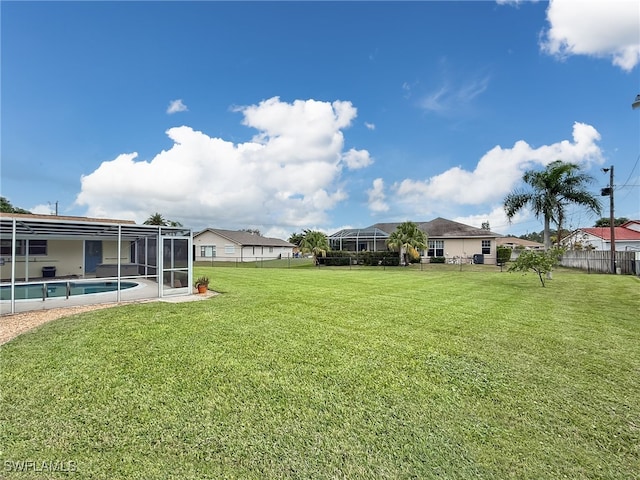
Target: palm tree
155, 219
552, 189
158, 219
405, 238
315, 242
296, 238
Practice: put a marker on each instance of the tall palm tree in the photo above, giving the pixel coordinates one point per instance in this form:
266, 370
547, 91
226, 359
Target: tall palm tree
552, 190
155, 219
406, 237
315, 242
158, 219
296, 238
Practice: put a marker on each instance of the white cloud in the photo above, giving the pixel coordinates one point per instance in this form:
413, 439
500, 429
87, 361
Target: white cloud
356, 159
286, 176
498, 221
176, 106
377, 197
448, 97
370, 126
498, 171
43, 210
604, 29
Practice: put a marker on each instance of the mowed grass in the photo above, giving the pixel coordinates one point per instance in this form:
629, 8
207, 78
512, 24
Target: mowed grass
338, 373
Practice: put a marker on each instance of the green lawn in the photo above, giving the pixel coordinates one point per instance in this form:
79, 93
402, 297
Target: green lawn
337, 373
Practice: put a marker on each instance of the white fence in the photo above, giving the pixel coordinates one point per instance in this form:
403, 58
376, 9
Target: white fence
599, 261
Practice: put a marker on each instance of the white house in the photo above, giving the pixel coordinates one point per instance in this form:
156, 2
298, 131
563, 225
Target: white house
599, 238
214, 244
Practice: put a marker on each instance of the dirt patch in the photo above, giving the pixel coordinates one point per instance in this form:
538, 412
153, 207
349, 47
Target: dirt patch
13, 325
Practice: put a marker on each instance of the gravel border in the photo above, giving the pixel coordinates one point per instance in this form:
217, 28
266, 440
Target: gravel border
12, 325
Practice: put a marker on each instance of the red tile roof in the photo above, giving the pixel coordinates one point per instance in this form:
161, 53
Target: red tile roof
621, 233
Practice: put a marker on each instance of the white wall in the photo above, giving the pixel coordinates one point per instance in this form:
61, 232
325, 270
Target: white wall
227, 251
66, 255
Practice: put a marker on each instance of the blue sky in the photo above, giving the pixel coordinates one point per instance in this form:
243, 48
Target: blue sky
284, 116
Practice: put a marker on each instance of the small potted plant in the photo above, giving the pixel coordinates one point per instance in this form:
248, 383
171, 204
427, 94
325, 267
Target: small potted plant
202, 284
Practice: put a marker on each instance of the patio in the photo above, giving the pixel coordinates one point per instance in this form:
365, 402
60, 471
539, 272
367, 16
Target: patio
45, 248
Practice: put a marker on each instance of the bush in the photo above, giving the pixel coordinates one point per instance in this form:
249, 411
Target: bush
342, 258
437, 260
503, 255
335, 258
375, 259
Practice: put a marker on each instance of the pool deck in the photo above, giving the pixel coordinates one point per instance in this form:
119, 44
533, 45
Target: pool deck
146, 291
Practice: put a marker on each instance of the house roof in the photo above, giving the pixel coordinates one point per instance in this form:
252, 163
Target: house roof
360, 233
519, 241
66, 227
247, 239
621, 233
442, 228
632, 225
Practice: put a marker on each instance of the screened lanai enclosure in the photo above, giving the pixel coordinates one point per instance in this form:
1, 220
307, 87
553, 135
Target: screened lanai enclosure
370, 239
51, 261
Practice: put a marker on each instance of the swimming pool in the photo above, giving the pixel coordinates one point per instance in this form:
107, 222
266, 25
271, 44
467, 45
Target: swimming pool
37, 291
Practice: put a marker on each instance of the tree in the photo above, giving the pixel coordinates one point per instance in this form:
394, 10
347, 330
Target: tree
605, 222
533, 236
6, 207
316, 243
503, 255
252, 231
296, 238
405, 238
540, 262
158, 219
552, 189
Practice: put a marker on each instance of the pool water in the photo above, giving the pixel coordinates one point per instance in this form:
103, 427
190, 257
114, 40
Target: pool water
59, 289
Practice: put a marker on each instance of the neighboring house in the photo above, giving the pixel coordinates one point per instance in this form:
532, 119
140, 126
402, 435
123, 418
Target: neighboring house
599, 238
446, 238
519, 243
214, 244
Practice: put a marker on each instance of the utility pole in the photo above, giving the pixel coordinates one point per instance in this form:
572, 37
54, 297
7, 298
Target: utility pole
612, 220
56, 204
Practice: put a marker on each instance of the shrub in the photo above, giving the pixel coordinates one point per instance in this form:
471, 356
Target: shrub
503, 255
437, 260
540, 262
335, 258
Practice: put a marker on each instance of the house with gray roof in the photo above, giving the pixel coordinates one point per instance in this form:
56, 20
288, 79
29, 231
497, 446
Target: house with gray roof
453, 240
214, 244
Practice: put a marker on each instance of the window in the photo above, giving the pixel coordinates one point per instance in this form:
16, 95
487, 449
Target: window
270, 249
486, 247
208, 251
36, 247
436, 248
229, 249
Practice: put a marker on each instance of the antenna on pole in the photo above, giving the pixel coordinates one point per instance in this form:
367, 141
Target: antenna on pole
56, 204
